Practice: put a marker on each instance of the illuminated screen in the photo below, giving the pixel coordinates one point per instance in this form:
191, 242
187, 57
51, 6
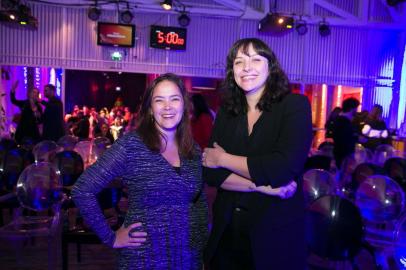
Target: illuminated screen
112, 34
170, 38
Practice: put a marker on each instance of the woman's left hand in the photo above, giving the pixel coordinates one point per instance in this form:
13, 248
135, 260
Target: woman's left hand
211, 156
284, 192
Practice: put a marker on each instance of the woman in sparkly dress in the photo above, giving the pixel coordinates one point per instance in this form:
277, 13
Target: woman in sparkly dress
166, 223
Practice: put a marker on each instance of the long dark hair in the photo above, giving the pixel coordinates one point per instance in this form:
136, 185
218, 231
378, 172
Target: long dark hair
276, 85
147, 129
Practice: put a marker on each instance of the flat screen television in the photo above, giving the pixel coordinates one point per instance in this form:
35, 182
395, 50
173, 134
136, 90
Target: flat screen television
115, 34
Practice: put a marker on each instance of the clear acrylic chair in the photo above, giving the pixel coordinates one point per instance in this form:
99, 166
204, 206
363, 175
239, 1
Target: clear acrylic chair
317, 183
382, 153
381, 201
45, 151
334, 233
68, 142
39, 192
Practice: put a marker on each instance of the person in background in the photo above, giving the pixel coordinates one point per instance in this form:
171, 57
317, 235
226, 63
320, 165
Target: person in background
202, 124
374, 130
358, 123
53, 122
127, 116
166, 223
330, 122
201, 121
256, 154
81, 128
117, 128
103, 130
344, 134
31, 113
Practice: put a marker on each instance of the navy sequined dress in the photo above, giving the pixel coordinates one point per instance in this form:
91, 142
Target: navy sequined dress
170, 205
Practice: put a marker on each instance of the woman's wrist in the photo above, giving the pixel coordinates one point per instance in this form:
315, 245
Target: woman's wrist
223, 159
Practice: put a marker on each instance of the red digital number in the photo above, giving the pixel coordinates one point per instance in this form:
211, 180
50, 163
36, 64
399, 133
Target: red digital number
181, 41
170, 38
173, 38
161, 38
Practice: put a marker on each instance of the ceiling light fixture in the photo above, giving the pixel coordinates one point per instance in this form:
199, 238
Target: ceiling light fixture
94, 12
301, 27
167, 4
183, 19
324, 29
126, 16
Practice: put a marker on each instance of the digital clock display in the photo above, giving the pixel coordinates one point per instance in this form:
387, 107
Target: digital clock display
170, 38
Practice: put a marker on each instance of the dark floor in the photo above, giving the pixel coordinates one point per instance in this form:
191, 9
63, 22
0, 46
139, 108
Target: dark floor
34, 256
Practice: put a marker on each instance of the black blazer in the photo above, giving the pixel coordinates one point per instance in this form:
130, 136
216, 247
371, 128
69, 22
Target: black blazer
53, 128
276, 152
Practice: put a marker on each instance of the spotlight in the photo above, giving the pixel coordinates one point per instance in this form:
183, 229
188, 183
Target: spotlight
93, 13
275, 23
20, 14
126, 16
183, 20
167, 4
9, 4
301, 27
324, 29
393, 3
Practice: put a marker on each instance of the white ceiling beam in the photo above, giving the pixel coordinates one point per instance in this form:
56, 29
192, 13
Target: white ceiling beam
267, 6
246, 13
361, 24
309, 8
363, 10
334, 9
231, 4
202, 11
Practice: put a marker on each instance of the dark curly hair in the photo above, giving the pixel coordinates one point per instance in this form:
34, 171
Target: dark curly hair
147, 129
276, 85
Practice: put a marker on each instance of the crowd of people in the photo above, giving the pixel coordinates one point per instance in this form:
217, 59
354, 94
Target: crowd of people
39, 119
346, 127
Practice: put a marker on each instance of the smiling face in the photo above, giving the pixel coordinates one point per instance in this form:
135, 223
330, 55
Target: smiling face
250, 70
167, 106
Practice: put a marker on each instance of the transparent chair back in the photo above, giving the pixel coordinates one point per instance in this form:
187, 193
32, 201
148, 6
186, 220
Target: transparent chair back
84, 148
317, 183
399, 243
39, 189
362, 154
68, 142
382, 153
381, 201
99, 145
45, 151
334, 232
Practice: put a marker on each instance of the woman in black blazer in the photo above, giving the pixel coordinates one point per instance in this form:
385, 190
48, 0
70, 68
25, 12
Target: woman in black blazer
260, 141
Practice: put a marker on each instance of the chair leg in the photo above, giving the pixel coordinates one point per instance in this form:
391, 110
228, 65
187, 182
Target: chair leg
65, 253
52, 253
78, 253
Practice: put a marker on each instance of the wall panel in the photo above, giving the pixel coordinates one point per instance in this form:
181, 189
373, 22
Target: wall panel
67, 38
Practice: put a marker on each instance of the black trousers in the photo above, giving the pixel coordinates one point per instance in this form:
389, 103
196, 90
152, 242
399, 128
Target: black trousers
234, 249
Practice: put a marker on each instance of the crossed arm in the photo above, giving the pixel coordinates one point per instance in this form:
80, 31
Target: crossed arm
240, 179
262, 173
